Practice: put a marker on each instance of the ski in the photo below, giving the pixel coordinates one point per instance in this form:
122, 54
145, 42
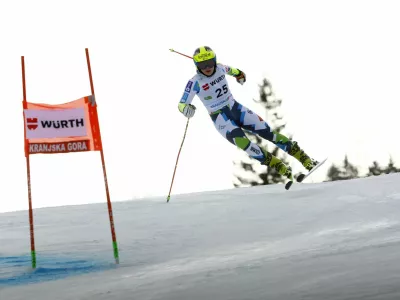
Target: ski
288, 184
303, 176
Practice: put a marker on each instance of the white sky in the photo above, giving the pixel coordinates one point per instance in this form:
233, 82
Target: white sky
332, 63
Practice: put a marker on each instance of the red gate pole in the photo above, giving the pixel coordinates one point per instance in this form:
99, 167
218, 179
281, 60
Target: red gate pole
28, 172
110, 213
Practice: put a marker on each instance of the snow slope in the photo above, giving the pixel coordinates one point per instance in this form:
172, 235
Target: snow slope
333, 240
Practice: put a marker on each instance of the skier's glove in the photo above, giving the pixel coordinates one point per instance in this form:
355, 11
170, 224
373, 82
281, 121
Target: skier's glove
241, 77
189, 110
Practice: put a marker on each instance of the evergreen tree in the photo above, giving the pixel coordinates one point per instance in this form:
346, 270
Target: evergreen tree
333, 173
375, 169
251, 172
390, 167
344, 172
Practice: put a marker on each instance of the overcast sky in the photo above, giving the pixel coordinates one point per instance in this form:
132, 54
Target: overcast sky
335, 65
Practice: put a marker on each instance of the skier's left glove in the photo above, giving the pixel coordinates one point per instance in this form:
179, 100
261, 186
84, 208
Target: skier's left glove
241, 77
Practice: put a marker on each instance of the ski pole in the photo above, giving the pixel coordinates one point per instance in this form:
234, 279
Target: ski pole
176, 164
172, 50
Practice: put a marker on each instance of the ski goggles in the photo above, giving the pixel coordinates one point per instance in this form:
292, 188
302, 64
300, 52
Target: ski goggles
206, 64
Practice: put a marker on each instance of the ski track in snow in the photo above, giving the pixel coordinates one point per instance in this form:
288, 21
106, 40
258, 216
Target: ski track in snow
332, 240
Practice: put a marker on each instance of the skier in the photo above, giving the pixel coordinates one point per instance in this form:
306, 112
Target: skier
230, 117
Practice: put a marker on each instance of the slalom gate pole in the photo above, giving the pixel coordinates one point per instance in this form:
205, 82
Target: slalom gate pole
176, 164
28, 173
110, 213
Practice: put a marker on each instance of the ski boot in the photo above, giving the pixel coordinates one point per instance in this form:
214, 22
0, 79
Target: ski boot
307, 162
285, 171
310, 163
294, 150
280, 167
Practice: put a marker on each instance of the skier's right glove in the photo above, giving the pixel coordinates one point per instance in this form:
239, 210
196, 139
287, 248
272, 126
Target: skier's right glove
187, 110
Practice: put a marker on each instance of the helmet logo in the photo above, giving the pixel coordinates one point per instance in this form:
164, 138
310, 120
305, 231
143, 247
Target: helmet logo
204, 56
